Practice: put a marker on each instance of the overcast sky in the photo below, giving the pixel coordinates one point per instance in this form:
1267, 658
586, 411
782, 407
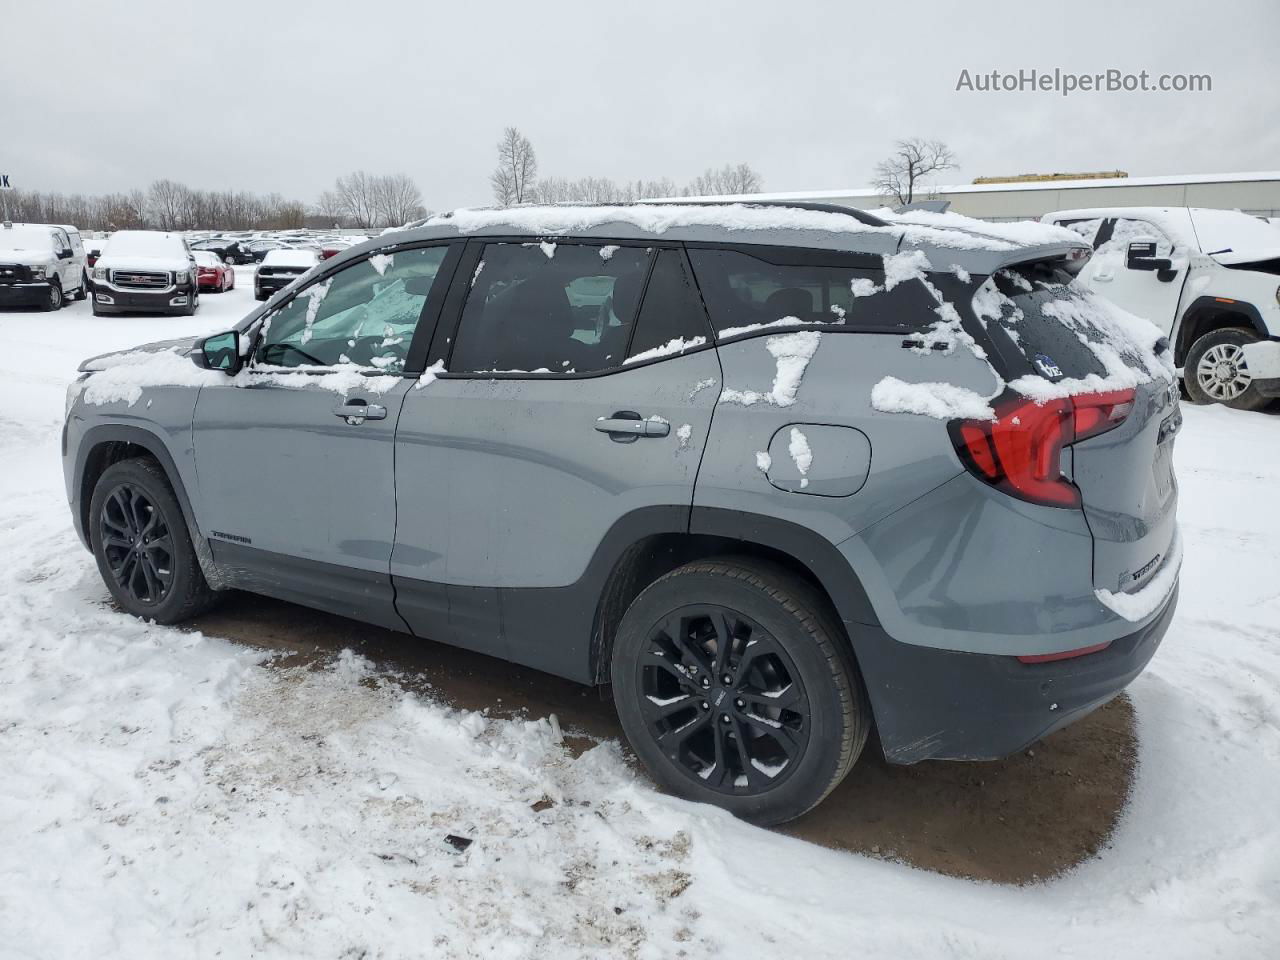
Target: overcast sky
283, 97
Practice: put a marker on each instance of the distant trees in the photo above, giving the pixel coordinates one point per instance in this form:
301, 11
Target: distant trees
367, 200
898, 176
515, 180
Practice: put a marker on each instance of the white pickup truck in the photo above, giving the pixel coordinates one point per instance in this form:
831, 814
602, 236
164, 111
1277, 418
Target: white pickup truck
1209, 278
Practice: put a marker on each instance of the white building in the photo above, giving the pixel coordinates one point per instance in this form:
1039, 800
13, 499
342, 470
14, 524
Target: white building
1254, 193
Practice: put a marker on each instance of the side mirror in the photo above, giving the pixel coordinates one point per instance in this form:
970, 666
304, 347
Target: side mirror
221, 351
1141, 255
65, 254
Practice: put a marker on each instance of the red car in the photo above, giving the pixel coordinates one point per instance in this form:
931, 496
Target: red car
212, 273
333, 248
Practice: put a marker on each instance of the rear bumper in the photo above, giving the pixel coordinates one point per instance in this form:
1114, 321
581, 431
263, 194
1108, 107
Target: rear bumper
933, 704
23, 294
271, 284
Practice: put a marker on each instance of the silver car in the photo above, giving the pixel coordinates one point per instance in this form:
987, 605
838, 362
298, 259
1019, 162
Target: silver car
776, 474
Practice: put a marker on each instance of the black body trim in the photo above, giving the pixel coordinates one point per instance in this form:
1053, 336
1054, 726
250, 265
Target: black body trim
347, 591
152, 443
933, 704
1208, 304
818, 554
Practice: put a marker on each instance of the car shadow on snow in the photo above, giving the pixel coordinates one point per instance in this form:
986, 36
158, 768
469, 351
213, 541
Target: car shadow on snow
1018, 820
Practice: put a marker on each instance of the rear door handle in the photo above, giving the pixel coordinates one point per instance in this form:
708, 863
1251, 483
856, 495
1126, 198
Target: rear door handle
356, 412
626, 425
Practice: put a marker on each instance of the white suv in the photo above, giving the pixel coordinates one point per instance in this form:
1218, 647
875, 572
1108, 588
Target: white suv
1209, 278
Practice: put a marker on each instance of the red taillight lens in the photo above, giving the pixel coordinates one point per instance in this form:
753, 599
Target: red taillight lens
1020, 452
1099, 412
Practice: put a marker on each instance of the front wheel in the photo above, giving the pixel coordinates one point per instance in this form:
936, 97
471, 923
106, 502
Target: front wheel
83, 292
1215, 370
53, 300
735, 687
142, 546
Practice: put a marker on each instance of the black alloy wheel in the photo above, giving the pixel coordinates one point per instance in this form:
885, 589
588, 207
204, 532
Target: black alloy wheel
723, 697
137, 544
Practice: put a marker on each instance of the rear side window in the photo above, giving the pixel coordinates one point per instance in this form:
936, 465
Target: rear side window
550, 308
745, 293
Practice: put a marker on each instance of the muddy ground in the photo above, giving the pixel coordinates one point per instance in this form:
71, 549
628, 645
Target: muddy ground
1017, 820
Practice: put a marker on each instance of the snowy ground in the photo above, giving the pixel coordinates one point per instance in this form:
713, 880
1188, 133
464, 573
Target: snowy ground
167, 794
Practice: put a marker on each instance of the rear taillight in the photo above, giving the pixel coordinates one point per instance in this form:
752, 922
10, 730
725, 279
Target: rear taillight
1020, 451
1065, 654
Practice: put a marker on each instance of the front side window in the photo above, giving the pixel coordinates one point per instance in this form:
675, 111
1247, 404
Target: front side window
550, 308
746, 293
364, 315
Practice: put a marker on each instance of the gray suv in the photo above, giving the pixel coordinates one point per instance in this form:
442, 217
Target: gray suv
710, 456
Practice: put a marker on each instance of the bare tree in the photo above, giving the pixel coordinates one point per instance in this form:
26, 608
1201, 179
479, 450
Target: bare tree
897, 176
517, 172
357, 193
329, 208
167, 202
398, 200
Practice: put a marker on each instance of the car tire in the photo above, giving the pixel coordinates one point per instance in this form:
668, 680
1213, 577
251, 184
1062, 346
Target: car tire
55, 300
83, 293
797, 701
1215, 372
140, 540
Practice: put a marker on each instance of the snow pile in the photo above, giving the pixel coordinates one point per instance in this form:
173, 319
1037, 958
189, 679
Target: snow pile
1020, 233
942, 401
728, 332
801, 454
678, 345
1146, 600
792, 353
380, 262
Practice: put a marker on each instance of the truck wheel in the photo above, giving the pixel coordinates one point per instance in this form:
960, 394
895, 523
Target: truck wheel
54, 300
140, 540
83, 292
1215, 370
735, 688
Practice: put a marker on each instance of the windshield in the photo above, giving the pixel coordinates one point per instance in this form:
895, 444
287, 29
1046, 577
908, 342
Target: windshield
144, 243
26, 238
1221, 230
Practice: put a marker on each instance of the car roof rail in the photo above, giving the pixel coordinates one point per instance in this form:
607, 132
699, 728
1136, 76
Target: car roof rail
869, 219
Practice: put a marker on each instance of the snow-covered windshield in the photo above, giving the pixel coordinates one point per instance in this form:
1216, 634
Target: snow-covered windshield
144, 243
20, 237
1221, 230
290, 258
206, 259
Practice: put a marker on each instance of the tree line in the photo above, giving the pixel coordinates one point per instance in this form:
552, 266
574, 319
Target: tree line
358, 200
515, 180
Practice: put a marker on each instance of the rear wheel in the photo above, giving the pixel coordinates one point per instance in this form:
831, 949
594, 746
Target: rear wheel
1215, 370
140, 541
734, 688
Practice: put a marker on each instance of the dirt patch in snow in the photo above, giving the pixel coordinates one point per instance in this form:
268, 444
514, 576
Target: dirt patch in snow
1028, 817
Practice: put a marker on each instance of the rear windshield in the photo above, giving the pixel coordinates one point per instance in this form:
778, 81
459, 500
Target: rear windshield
1062, 329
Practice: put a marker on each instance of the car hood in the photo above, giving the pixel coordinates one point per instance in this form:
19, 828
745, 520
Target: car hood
1251, 255
180, 345
27, 257
124, 262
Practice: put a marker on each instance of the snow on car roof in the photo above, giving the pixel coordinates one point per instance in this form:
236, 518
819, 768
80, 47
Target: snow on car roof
206, 258
291, 258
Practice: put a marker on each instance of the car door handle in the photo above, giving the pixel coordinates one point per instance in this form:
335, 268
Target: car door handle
626, 425
356, 412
